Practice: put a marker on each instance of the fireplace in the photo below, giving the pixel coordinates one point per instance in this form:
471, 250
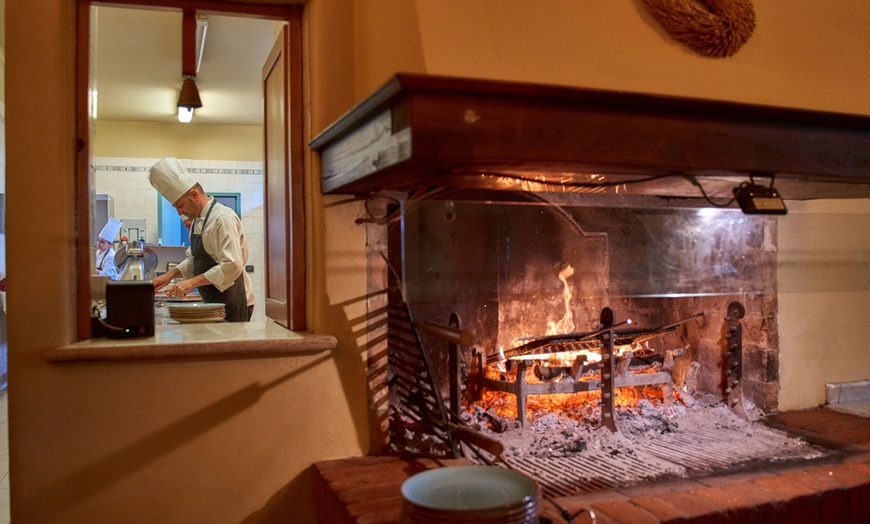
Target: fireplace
498, 215
501, 269
540, 289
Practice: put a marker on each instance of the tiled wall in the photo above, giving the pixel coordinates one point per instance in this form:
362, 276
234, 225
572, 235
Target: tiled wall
126, 181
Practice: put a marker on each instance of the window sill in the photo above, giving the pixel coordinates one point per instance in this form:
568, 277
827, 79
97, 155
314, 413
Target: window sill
198, 341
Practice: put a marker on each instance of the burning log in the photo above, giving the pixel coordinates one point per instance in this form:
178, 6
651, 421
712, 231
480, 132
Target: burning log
578, 367
548, 373
551, 372
544, 344
623, 362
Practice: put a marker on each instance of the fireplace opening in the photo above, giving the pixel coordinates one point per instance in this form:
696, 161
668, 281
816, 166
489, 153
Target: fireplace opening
599, 345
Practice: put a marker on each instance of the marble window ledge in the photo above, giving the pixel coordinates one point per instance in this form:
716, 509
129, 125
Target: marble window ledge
198, 341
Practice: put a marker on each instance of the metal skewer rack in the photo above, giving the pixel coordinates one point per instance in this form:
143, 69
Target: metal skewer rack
614, 369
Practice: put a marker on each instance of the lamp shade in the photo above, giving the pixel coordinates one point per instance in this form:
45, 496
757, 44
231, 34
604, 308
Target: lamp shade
189, 96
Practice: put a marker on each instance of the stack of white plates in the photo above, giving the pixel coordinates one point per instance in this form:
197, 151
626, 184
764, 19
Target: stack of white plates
470, 494
197, 312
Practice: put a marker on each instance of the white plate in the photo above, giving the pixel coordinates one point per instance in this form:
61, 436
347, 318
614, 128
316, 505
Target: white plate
197, 313
197, 306
469, 488
198, 320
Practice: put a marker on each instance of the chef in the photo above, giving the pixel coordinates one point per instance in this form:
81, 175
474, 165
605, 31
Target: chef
218, 252
105, 259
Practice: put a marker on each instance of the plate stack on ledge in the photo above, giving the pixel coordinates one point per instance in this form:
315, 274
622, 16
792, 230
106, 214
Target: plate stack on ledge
197, 312
470, 495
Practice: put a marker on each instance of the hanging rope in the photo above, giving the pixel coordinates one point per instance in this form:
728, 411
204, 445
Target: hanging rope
714, 28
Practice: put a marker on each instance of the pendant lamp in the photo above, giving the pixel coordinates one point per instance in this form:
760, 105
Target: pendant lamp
188, 100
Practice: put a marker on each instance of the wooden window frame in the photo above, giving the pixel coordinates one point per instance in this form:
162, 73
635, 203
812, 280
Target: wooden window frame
290, 13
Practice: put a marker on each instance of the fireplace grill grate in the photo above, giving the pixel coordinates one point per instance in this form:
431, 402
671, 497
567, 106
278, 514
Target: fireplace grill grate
706, 449
678, 455
592, 471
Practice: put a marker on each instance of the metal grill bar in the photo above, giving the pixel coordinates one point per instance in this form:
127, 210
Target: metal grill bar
672, 455
411, 376
590, 471
703, 450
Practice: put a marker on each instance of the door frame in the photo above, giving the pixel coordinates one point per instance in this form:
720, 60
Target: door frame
84, 175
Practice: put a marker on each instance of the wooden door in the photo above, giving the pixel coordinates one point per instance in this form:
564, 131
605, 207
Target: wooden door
283, 185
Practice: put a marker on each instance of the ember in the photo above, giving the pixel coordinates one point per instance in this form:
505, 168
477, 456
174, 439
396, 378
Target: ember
570, 455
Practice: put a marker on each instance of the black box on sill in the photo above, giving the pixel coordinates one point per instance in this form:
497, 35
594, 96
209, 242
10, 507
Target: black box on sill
130, 308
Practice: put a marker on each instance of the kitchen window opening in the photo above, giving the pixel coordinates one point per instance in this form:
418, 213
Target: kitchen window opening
289, 293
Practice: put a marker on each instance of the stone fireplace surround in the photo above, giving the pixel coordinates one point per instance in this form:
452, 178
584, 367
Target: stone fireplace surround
450, 133
833, 491
366, 489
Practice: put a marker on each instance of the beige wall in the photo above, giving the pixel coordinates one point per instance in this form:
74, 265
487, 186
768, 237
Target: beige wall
232, 440
805, 53
192, 441
190, 141
824, 296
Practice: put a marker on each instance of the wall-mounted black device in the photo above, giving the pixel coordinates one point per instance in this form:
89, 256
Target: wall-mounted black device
759, 200
130, 308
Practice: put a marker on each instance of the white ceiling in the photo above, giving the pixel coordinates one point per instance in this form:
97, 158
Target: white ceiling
138, 66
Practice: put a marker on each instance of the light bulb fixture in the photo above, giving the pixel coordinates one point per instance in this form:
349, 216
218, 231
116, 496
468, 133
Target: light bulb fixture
185, 114
193, 31
188, 100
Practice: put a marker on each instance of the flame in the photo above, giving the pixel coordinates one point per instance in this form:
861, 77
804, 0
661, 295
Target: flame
566, 323
501, 360
574, 405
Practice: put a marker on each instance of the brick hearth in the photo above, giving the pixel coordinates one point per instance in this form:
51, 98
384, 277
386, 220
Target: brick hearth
836, 491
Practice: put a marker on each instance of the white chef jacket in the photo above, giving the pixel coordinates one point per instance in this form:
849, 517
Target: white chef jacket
224, 240
105, 264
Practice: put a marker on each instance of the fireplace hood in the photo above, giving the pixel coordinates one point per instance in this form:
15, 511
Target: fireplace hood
419, 132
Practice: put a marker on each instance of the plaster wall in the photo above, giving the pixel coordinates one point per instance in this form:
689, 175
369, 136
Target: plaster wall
824, 296
807, 53
232, 440
198, 142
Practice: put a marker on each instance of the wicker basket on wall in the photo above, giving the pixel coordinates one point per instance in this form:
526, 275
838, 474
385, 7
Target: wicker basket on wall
714, 28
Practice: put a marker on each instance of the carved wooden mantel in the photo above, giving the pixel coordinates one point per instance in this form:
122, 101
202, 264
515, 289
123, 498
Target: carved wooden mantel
418, 131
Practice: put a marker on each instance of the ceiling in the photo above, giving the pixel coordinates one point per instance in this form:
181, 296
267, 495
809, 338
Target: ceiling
138, 66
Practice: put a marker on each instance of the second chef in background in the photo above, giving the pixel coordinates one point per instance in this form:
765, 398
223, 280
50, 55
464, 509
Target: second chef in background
105, 259
215, 262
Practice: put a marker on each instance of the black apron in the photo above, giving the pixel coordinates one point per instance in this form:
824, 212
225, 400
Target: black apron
103, 260
234, 297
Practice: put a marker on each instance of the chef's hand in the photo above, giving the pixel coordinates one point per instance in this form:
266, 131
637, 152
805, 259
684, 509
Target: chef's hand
165, 278
184, 287
161, 281
181, 288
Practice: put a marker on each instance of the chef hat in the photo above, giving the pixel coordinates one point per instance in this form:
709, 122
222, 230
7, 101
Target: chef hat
110, 230
170, 179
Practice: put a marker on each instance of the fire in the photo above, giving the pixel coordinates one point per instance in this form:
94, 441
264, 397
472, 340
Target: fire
566, 323
576, 364
577, 406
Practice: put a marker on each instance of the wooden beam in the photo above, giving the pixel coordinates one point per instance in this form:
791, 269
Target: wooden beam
268, 11
188, 43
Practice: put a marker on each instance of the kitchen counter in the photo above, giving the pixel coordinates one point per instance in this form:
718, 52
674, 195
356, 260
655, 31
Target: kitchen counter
198, 341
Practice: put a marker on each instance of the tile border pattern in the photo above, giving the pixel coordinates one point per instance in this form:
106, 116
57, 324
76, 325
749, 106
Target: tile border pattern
196, 170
